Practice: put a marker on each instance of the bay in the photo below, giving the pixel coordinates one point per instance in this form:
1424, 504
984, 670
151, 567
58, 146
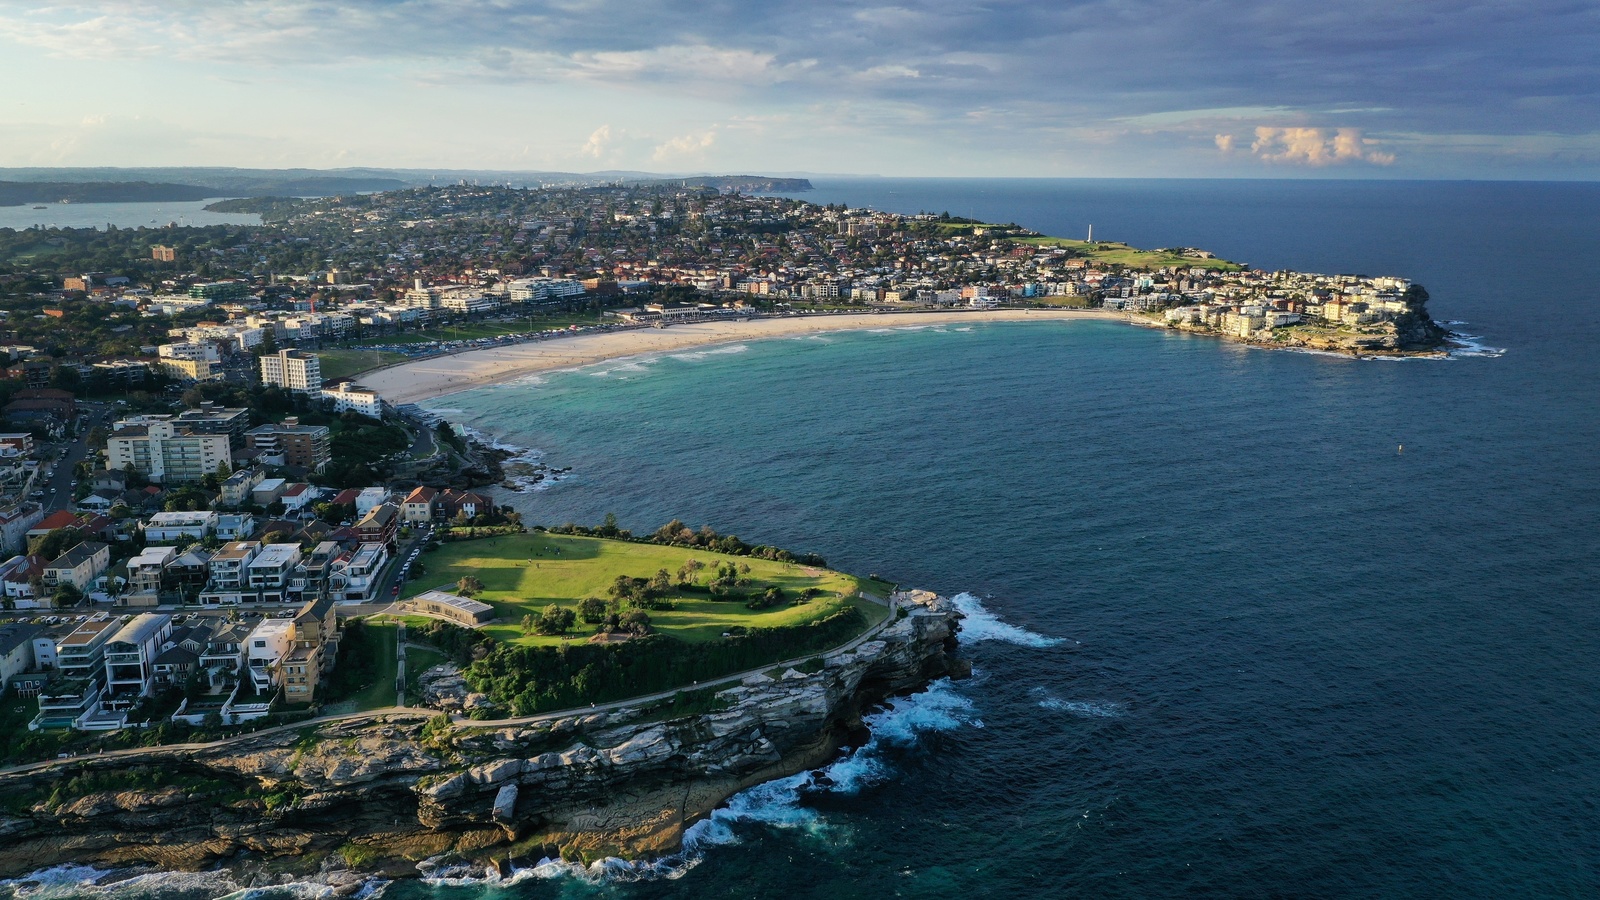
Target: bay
1242, 643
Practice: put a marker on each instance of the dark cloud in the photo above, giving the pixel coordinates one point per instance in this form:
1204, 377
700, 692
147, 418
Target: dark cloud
1403, 70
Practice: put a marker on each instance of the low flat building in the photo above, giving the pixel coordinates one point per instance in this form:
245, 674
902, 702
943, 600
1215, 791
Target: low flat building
457, 609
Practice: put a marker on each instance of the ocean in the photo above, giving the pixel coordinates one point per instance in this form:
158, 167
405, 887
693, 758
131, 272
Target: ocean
1230, 638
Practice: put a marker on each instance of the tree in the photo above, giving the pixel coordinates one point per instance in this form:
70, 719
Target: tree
58, 542
661, 583
593, 610
469, 586
556, 620
529, 624
66, 596
688, 571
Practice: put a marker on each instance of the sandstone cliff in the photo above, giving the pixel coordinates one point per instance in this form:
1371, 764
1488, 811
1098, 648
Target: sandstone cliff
391, 791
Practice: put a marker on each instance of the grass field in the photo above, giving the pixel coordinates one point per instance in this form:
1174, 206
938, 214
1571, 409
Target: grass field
524, 573
1112, 253
418, 661
377, 673
351, 362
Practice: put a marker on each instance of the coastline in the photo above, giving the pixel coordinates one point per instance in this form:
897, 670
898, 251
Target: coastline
428, 379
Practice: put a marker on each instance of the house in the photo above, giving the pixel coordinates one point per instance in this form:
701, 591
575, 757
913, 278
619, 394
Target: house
18, 575
15, 523
417, 507
265, 649
78, 567
298, 496
271, 570
268, 491
147, 574
59, 519
223, 655
353, 577
228, 581
130, 657
16, 651
315, 650
237, 489
180, 655
180, 527
235, 526
379, 525
370, 498
454, 504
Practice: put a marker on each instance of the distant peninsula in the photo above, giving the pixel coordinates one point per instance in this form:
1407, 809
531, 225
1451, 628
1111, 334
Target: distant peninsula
747, 184
19, 193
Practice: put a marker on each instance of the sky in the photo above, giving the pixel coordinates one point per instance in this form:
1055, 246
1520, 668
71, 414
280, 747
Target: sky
1112, 88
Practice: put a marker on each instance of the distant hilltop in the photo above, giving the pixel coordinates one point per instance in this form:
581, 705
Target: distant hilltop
745, 184
103, 185
18, 193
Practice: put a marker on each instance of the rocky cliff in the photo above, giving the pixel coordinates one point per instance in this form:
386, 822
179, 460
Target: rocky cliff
387, 792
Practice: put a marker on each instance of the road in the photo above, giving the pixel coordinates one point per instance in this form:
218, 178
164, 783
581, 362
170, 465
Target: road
58, 490
735, 678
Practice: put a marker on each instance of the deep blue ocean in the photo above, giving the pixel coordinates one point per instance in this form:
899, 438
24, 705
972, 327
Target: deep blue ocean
1230, 640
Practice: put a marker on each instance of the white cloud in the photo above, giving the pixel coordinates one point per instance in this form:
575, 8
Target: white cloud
688, 147
596, 145
1311, 146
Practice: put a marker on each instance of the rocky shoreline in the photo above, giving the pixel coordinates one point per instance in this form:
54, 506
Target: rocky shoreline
384, 794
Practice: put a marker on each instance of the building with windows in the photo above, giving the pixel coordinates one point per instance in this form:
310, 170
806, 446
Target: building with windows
307, 447
220, 291
294, 370
351, 397
213, 419
78, 567
160, 450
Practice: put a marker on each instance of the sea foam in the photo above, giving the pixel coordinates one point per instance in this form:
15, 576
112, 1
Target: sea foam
982, 625
774, 804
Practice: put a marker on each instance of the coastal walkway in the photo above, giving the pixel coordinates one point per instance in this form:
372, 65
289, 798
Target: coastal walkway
418, 714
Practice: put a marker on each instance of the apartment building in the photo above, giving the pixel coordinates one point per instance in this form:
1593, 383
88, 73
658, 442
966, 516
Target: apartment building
307, 447
163, 452
294, 370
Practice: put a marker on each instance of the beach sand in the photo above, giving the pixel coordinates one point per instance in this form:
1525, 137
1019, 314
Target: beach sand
426, 379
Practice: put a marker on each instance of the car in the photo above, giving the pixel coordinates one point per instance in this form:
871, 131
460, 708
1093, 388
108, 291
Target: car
396, 591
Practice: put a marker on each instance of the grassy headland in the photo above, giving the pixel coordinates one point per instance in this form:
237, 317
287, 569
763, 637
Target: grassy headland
524, 574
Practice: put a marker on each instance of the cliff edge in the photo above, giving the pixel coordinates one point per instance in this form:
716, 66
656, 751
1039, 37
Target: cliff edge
388, 792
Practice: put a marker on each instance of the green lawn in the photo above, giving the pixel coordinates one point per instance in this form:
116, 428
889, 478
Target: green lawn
364, 677
418, 661
524, 573
348, 363
1112, 253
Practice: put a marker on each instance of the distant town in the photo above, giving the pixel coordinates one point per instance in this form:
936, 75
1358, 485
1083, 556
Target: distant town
196, 490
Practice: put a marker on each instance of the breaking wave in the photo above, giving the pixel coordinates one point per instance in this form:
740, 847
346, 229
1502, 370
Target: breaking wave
773, 804
982, 625
1470, 345
90, 883
1085, 709
697, 355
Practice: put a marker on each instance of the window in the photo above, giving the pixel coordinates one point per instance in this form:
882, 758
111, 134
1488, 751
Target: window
261, 644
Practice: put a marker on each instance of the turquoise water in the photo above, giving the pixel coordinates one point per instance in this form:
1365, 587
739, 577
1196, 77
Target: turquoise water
1230, 641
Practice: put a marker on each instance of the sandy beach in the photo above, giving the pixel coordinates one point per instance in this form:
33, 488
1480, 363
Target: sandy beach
414, 382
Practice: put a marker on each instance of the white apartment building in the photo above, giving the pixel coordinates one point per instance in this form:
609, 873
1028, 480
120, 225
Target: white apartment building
158, 450
294, 370
352, 397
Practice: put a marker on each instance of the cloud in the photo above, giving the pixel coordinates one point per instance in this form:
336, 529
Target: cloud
596, 145
1159, 79
1310, 146
685, 147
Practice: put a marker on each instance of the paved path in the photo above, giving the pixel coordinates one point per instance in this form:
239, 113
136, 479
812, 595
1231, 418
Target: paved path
401, 711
